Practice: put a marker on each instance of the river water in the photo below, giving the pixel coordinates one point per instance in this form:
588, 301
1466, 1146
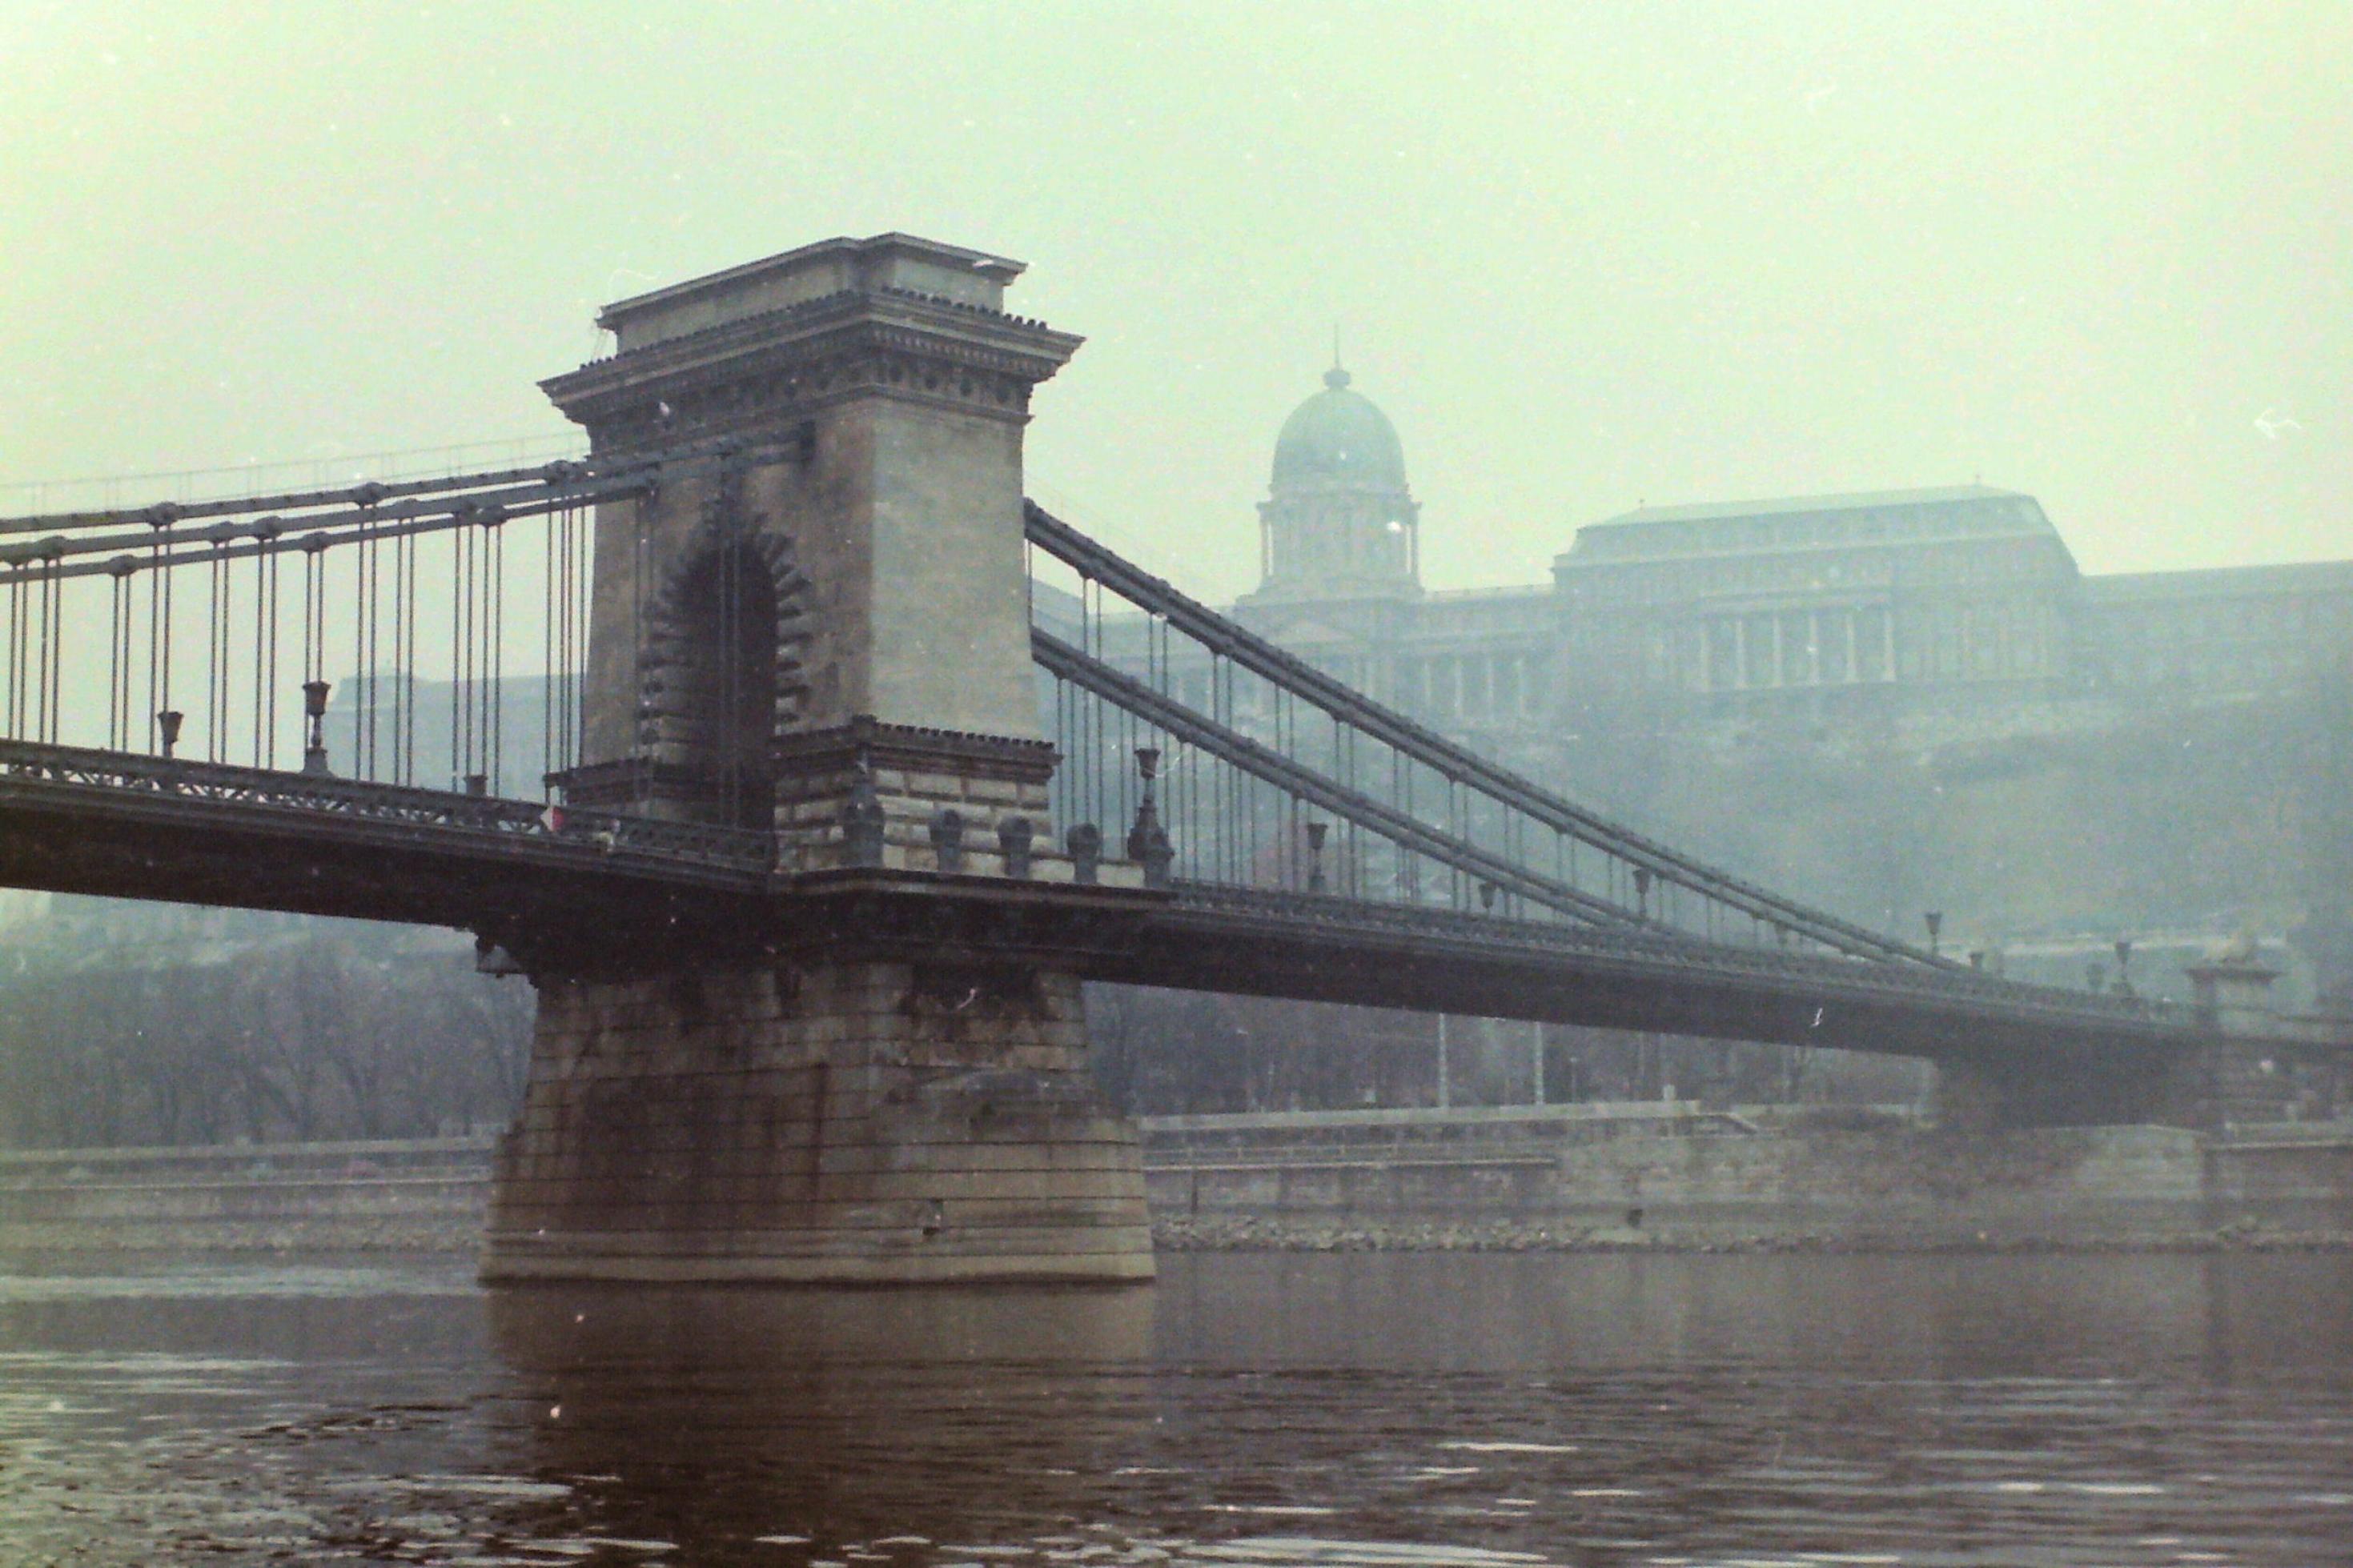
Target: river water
1254, 1411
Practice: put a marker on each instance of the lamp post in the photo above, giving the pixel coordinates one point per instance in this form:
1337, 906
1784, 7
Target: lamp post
314, 709
169, 721
1147, 841
1935, 919
2124, 966
1442, 1096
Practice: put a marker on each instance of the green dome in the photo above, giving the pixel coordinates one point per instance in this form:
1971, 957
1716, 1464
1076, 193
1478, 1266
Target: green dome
1337, 437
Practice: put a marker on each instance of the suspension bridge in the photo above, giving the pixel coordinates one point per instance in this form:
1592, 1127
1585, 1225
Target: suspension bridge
807, 770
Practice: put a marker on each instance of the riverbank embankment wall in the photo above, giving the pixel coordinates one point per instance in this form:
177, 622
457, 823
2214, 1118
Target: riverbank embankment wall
426, 1195
1668, 1176
1674, 1175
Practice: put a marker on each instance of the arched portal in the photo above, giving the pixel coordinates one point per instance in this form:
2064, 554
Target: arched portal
722, 678
729, 685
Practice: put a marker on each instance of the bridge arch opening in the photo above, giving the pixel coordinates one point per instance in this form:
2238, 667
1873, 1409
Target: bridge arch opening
721, 678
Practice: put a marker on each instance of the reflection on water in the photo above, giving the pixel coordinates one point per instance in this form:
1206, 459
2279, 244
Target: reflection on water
1961, 1317
1259, 1412
968, 1415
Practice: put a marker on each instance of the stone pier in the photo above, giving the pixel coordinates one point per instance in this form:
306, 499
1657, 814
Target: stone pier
815, 627
855, 1122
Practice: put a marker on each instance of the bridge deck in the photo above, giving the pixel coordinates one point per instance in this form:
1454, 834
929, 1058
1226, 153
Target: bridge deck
125, 826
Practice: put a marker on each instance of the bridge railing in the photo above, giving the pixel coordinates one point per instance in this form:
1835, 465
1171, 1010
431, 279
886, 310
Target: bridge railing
422, 631
1818, 973
217, 629
199, 791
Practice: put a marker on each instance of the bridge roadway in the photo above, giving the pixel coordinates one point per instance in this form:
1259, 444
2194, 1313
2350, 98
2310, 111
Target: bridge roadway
597, 894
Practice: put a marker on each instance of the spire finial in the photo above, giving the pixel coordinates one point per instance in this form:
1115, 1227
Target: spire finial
1338, 376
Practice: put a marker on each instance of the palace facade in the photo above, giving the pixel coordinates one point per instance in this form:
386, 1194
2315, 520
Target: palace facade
1929, 614
1885, 703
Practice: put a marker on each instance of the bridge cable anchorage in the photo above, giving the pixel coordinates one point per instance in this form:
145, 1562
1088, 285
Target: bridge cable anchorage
1500, 791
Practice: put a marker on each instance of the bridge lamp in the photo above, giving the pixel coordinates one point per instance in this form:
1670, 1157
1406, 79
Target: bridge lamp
1147, 841
314, 709
170, 720
1316, 831
1935, 919
2124, 965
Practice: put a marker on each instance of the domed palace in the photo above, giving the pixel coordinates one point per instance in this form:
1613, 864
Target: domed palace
1340, 577
1952, 612
1337, 519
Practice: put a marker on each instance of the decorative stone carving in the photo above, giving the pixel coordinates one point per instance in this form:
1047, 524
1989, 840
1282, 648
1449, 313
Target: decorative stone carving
947, 839
1085, 842
863, 819
1015, 838
745, 375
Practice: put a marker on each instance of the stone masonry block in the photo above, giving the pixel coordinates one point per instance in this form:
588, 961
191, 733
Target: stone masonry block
705, 1111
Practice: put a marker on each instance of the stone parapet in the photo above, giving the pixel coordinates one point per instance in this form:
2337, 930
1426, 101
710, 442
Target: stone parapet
914, 780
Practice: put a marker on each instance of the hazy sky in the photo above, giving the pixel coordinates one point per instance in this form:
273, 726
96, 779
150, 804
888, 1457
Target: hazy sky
1584, 256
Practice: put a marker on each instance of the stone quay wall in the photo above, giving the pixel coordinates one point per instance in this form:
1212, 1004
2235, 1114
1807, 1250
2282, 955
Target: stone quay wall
1674, 1177
1565, 1177
428, 1195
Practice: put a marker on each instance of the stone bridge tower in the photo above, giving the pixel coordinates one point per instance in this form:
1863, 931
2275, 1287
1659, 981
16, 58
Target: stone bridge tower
817, 623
